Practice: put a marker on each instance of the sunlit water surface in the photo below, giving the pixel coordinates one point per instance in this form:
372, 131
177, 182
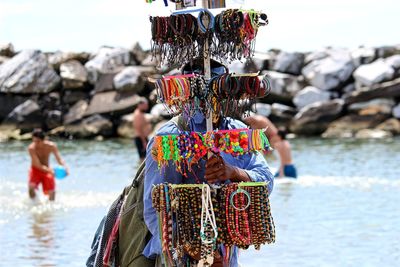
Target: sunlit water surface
342, 211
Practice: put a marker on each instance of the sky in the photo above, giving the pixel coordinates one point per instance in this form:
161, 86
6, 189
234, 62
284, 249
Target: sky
85, 25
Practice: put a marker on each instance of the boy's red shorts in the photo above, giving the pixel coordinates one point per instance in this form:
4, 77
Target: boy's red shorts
37, 176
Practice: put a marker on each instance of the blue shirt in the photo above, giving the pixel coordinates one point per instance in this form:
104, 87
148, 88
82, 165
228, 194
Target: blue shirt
254, 164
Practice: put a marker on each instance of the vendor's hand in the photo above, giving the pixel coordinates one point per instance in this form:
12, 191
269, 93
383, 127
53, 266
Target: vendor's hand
217, 170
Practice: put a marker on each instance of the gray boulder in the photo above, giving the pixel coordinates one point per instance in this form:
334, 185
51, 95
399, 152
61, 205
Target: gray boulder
374, 106
9, 101
373, 73
396, 111
132, 78
105, 82
57, 58
281, 115
73, 74
72, 96
92, 126
315, 118
27, 73
393, 61
284, 85
7, 50
289, 63
53, 119
363, 55
138, 53
107, 60
76, 112
25, 116
329, 72
349, 125
310, 95
113, 103
383, 90
262, 109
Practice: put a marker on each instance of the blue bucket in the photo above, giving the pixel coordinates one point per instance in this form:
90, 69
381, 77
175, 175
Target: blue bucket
60, 172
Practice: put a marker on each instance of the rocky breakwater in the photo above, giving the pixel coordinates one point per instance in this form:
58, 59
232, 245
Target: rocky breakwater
333, 92
72, 95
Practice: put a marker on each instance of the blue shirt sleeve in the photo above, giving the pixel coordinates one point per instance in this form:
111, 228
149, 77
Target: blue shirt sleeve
154, 176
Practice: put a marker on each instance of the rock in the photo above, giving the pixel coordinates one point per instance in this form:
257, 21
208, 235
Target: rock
260, 62
91, 126
27, 73
383, 90
125, 128
73, 74
113, 103
53, 119
149, 61
349, 125
310, 95
9, 101
315, 118
349, 88
393, 61
50, 101
25, 116
330, 72
291, 63
138, 53
396, 111
4, 59
316, 55
105, 82
391, 125
262, 109
72, 96
107, 60
373, 73
372, 133
132, 78
363, 55
281, 115
160, 112
375, 106
387, 51
284, 85
76, 112
7, 50
57, 58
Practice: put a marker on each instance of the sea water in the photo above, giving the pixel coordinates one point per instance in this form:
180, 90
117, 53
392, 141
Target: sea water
343, 210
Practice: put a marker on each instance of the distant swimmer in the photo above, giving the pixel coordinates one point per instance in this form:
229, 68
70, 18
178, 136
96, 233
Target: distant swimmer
142, 127
40, 171
278, 141
287, 168
261, 122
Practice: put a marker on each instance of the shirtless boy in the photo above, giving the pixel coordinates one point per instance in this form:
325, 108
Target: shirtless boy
142, 127
40, 171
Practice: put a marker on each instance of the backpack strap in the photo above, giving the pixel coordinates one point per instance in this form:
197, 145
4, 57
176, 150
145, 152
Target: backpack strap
139, 175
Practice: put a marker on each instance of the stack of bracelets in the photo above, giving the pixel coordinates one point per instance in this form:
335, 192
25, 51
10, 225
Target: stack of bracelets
180, 37
188, 148
195, 220
189, 93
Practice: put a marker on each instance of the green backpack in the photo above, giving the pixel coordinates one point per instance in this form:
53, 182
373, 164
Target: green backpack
133, 233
